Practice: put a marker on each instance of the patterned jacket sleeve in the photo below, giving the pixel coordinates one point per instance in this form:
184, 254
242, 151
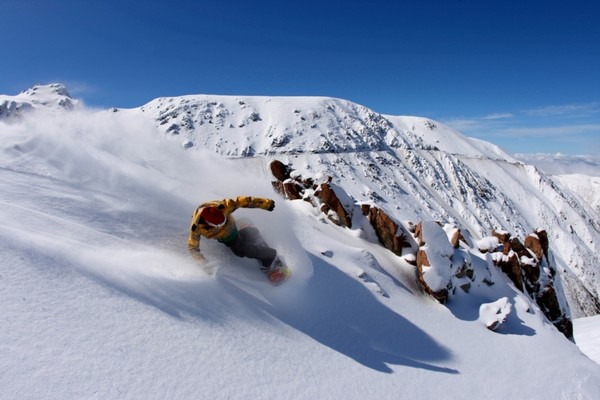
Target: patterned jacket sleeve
194, 240
251, 202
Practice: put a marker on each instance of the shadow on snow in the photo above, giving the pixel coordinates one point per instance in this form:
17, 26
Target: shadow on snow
331, 307
342, 314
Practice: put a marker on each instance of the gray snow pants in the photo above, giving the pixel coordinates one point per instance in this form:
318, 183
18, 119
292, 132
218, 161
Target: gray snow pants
249, 243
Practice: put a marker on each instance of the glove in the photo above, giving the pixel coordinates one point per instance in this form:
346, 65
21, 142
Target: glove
271, 205
196, 255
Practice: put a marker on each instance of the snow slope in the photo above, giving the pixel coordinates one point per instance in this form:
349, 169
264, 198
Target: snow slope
585, 186
414, 168
578, 174
100, 299
588, 336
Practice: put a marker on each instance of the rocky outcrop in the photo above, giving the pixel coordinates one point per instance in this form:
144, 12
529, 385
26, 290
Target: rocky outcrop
456, 238
511, 266
529, 265
442, 255
391, 235
492, 315
280, 171
284, 184
332, 206
442, 265
424, 267
294, 187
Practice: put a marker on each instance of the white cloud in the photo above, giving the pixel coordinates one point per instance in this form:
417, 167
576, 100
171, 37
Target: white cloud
498, 116
551, 131
463, 124
572, 110
478, 124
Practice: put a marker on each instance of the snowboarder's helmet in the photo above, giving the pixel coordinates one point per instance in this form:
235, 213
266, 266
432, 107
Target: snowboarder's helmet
213, 216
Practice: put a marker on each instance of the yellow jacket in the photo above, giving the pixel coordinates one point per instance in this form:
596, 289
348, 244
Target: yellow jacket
199, 228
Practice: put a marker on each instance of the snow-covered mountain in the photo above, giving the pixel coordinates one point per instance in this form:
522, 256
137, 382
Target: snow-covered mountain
579, 174
414, 168
101, 300
586, 187
53, 96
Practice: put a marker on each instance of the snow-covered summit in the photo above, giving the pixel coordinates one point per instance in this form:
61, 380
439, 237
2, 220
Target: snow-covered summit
238, 126
46, 93
54, 95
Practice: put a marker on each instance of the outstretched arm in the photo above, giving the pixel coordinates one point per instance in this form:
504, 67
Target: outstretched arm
252, 202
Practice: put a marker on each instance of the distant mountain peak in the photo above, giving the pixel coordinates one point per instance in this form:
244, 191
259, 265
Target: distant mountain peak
52, 89
54, 95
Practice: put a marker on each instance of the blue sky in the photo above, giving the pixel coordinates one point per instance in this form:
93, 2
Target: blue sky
521, 74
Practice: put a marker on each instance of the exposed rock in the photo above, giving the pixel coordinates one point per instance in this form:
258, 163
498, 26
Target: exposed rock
518, 247
284, 184
565, 325
423, 266
280, 171
418, 233
503, 236
436, 270
442, 264
457, 237
331, 202
386, 229
544, 241
445, 269
295, 188
533, 243
511, 266
528, 266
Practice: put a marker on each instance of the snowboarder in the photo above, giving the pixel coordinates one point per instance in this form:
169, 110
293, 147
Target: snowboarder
213, 220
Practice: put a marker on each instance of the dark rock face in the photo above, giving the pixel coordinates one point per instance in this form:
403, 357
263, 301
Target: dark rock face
390, 234
319, 195
280, 171
284, 184
331, 202
511, 266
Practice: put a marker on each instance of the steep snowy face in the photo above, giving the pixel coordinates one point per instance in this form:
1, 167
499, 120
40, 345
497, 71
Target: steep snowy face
412, 165
586, 187
241, 126
253, 126
40, 96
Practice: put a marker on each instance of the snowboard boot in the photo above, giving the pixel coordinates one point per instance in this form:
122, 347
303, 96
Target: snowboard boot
278, 272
